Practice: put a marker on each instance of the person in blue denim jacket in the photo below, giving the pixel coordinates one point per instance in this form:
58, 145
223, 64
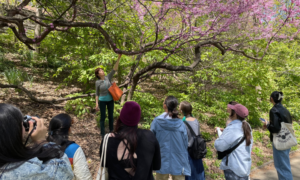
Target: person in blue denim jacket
37, 162
237, 164
172, 137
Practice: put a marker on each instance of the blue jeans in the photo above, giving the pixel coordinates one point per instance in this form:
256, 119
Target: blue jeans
197, 169
282, 164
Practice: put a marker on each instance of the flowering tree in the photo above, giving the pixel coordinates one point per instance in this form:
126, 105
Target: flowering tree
171, 27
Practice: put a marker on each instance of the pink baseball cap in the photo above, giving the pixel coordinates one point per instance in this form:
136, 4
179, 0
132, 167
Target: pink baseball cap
239, 109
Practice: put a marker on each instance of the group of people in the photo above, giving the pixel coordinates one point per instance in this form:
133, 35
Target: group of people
134, 153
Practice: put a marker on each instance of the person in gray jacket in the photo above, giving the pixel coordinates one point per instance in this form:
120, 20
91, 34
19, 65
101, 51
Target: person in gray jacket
103, 96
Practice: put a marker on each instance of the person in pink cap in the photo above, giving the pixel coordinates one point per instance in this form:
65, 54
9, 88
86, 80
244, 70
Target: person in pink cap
132, 153
235, 144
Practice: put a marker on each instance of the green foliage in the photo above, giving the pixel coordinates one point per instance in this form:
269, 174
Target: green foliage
80, 106
257, 136
209, 154
258, 152
296, 127
151, 107
4, 63
207, 136
17, 77
294, 148
259, 163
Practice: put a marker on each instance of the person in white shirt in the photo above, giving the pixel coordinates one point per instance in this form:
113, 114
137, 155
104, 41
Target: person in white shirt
59, 129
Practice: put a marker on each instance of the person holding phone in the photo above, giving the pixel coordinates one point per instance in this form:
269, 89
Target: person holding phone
279, 114
238, 134
41, 160
103, 97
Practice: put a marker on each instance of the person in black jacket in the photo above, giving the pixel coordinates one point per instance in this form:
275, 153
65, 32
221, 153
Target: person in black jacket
132, 153
279, 114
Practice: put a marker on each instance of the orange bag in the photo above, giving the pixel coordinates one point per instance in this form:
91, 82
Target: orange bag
115, 91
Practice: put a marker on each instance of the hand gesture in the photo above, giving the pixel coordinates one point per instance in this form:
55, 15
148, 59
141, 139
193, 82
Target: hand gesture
264, 125
216, 128
39, 132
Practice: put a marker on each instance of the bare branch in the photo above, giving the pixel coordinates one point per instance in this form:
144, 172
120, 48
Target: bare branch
33, 98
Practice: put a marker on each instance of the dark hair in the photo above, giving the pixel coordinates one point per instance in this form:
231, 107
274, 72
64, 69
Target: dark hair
59, 130
233, 102
97, 71
128, 133
12, 148
186, 108
171, 102
245, 126
275, 96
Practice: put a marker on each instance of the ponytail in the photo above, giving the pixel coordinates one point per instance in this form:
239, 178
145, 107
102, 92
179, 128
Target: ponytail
246, 129
247, 132
277, 96
172, 103
59, 130
174, 113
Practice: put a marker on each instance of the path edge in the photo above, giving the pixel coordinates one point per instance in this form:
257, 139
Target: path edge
271, 161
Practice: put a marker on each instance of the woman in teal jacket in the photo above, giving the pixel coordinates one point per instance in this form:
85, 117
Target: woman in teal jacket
172, 137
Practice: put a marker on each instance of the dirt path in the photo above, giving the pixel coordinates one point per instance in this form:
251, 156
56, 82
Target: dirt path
269, 172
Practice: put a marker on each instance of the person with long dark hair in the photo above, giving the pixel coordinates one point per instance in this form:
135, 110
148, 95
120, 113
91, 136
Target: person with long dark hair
40, 161
279, 114
132, 153
237, 164
58, 132
197, 168
172, 136
103, 97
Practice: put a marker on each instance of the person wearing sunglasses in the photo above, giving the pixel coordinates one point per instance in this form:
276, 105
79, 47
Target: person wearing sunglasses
59, 130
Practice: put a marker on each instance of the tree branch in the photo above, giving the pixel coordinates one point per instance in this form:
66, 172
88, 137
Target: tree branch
33, 98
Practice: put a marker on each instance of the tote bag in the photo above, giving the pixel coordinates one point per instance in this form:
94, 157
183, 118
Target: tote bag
115, 91
285, 139
102, 172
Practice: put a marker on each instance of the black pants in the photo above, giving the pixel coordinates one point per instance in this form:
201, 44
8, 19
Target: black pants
110, 108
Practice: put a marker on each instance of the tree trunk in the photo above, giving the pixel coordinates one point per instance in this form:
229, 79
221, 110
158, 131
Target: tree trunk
124, 95
37, 31
129, 77
133, 87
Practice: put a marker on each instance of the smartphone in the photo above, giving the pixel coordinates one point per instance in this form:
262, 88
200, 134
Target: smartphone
262, 119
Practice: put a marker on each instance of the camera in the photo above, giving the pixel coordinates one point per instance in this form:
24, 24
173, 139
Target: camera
26, 120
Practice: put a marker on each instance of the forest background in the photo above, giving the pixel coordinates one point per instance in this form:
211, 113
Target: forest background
204, 52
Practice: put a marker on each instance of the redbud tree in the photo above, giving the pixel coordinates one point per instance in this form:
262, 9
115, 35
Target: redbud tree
170, 27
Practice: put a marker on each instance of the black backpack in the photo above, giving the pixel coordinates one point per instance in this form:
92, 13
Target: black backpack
198, 148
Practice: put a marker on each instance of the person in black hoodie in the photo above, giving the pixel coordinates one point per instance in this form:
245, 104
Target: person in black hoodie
279, 114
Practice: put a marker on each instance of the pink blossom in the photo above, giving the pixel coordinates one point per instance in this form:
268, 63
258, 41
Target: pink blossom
33, 40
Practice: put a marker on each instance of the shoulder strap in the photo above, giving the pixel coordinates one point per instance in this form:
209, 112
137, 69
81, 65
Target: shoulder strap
228, 151
190, 128
232, 149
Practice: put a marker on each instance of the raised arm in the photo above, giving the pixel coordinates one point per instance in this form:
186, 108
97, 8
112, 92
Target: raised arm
117, 63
